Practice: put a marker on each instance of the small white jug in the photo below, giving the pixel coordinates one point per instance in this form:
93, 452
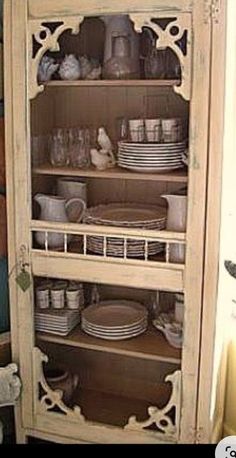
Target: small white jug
176, 221
57, 209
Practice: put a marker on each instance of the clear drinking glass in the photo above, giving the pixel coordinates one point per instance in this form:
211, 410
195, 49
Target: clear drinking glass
39, 149
79, 147
73, 146
59, 147
122, 126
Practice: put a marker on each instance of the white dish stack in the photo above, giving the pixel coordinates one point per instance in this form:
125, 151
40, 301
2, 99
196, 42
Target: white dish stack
151, 157
125, 215
59, 322
58, 306
115, 320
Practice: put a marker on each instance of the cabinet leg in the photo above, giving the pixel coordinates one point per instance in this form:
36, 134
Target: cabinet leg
21, 437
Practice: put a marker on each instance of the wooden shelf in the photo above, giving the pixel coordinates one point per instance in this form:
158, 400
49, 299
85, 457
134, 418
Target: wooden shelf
114, 409
112, 83
150, 345
177, 176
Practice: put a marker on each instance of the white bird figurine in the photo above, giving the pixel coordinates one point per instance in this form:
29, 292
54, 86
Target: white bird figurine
104, 141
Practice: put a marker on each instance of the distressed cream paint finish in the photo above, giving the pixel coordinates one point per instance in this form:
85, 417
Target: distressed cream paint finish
188, 277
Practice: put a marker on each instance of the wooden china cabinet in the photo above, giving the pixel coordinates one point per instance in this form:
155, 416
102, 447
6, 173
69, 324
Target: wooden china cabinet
140, 390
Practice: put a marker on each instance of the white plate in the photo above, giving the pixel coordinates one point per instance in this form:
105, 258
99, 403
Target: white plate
127, 213
123, 337
110, 245
152, 249
51, 324
150, 145
58, 333
151, 157
152, 225
116, 332
149, 163
151, 153
120, 254
116, 314
115, 329
151, 169
59, 325
130, 246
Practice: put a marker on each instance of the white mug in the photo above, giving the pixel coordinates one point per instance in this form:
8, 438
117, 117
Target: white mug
73, 298
172, 130
58, 298
137, 130
153, 130
42, 297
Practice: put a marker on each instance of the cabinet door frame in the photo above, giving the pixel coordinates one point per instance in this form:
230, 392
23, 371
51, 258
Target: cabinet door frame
199, 123
18, 199
19, 194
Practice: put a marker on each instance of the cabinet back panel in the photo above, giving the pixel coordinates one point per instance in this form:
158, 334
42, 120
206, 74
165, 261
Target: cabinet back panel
42, 113
101, 106
120, 375
94, 107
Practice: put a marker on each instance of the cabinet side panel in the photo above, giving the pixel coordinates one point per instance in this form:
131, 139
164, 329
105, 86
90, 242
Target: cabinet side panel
196, 217
213, 355
8, 119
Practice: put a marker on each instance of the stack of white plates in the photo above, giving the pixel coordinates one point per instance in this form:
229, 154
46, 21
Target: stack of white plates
115, 320
59, 322
151, 157
125, 215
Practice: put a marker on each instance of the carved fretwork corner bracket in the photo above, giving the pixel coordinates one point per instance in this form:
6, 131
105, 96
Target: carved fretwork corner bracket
167, 40
159, 417
50, 399
47, 41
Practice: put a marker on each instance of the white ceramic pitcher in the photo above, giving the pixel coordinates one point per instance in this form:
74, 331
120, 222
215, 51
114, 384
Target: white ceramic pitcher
58, 209
176, 221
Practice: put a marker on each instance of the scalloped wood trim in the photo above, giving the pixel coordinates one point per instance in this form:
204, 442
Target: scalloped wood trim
49, 42
167, 40
52, 398
159, 417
